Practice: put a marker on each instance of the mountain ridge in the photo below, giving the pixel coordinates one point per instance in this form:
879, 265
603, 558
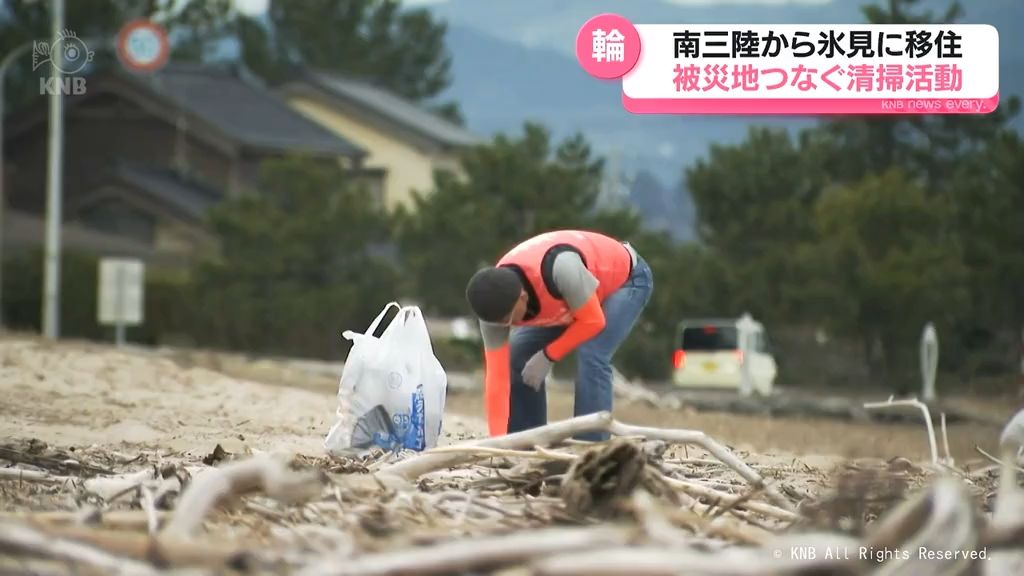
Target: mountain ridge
526, 70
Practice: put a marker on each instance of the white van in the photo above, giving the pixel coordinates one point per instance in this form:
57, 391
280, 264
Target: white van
708, 355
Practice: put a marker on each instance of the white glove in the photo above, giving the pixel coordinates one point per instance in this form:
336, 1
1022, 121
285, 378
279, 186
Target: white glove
536, 370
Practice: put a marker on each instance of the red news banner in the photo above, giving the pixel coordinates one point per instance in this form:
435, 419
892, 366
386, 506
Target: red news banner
795, 69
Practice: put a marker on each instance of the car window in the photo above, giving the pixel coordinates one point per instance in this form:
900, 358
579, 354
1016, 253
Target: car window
709, 338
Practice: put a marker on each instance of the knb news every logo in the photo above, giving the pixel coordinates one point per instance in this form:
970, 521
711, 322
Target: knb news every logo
68, 54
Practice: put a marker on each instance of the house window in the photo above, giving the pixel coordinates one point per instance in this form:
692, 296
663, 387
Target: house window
373, 181
119, 219
376, 189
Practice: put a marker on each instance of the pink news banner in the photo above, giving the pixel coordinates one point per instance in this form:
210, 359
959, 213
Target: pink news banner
795, 69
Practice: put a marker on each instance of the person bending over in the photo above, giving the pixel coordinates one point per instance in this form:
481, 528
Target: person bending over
555, 293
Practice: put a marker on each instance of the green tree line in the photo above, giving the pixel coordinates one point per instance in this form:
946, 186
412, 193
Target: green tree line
865, 227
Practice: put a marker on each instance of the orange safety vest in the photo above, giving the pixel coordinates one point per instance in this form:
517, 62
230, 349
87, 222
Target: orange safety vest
606, 258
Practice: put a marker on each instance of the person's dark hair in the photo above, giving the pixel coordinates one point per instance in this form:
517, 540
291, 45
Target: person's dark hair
492, 293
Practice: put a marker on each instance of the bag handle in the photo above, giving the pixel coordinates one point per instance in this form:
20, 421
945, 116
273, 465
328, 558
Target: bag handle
376, 322
415, 320
352, 335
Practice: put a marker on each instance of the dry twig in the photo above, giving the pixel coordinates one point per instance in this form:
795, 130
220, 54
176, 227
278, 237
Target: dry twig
471, 553
21, 538
208, 489
558, 431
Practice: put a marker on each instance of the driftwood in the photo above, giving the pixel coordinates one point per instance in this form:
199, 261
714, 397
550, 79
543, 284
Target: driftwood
1009, 509
39, 455
1012, 437
700, 491
22, 475
999, 462
925, 413
950, 528
599, 422
162, 550
269, 475
452, 557
694, 489
112, 519
662, 525
110, 488
658, 561
635, 511
21, 538
940, 521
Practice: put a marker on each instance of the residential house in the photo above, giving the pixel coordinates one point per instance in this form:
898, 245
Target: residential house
408, 142
146, 156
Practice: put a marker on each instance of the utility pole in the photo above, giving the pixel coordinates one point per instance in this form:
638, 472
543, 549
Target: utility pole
55, 166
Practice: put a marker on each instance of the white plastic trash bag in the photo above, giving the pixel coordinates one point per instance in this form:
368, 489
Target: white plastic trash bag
392, 389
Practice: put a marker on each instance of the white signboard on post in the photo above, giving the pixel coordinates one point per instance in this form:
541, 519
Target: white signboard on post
120, 294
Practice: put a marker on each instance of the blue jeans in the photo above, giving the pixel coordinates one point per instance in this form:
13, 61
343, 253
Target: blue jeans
528, 407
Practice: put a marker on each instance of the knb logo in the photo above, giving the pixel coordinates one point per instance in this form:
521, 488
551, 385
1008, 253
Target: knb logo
68, 54
73, 85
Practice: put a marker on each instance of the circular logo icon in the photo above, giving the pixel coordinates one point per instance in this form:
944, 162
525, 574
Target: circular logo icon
73, 52
142, 46
401, 421
68, 53
608, 46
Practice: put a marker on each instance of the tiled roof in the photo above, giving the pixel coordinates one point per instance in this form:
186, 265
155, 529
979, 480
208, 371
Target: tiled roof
167, 188
390, 106
244, 110
22, 230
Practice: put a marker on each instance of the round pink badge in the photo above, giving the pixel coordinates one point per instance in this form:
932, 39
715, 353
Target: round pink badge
608, 46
